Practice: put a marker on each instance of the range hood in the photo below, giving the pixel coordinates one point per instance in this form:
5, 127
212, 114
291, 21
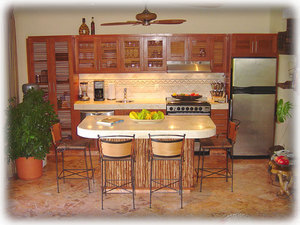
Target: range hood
188, 66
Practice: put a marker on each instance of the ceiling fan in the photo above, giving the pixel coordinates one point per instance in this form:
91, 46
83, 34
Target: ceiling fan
146, 18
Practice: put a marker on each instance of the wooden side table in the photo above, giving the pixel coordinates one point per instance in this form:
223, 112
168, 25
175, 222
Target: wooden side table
285, 177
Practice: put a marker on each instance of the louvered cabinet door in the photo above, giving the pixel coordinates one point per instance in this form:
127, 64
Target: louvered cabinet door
218, 53
38, 65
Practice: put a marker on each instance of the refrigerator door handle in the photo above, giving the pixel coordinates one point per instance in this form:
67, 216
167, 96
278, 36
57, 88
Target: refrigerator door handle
254, 90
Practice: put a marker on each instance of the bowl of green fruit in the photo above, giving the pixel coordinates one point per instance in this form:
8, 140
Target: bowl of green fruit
145, 116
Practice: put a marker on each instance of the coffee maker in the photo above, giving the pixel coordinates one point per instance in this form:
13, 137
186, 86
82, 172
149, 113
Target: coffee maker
99, 90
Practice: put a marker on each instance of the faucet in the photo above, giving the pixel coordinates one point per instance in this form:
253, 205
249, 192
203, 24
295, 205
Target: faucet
125, 94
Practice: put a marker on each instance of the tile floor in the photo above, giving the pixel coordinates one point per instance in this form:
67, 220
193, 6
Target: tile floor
254, 197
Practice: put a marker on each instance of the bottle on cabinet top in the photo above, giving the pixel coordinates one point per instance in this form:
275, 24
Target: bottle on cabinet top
84, 29
92, 26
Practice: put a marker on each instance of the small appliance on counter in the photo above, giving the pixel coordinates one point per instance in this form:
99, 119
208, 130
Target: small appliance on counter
84, 88
99, 90
111, 92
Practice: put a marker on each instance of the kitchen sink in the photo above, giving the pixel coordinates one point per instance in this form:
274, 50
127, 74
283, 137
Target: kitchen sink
124, 101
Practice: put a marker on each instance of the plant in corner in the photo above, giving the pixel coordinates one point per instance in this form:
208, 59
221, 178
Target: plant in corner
29, 136
283, 110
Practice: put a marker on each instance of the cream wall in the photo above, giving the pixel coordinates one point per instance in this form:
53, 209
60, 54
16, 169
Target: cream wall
63, 21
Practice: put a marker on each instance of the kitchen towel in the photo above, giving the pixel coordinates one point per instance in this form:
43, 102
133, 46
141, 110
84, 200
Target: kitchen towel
111, 91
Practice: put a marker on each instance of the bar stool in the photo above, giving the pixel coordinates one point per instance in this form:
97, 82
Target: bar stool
117, 148
61, 146
169, 148
214, 143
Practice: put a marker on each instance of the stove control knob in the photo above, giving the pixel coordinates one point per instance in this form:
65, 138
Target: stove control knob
187, 108
182, 108
191, 108
196, 108
171, 108
178, 108
200, 108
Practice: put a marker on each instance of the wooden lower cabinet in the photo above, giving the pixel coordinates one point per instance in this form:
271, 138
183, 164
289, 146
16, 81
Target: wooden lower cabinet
220, 118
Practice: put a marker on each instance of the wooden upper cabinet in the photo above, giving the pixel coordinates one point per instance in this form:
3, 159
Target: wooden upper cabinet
155, 53
199, 48
177, 48
86, 54
108, 54
97, 54
254, 45
131, 54
218, 53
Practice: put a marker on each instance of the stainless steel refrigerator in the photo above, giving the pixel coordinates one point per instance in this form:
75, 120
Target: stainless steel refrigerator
253, 103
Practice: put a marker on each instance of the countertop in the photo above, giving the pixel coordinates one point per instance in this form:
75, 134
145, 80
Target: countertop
192, 126
146, 103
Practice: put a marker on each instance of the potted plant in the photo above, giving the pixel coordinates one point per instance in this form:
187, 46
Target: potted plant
29, 136
283, 110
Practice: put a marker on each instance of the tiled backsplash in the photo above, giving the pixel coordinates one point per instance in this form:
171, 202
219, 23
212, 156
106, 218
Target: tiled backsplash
154, 85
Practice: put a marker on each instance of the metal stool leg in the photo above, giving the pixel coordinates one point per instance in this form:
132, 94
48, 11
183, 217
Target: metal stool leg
198, 167
151, 180
231, 155
63, 165
202, 170
180, 183
57, 179
87, 170
92, 168
102, 174
132, 182
227, 164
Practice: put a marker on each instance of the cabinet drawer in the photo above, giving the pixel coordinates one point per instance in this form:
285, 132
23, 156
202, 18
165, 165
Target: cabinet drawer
218, 114
221, 125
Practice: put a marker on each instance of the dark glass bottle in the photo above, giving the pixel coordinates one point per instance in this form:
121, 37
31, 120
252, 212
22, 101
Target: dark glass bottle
92, 26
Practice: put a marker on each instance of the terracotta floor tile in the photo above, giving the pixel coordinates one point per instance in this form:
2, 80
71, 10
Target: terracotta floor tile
254, 196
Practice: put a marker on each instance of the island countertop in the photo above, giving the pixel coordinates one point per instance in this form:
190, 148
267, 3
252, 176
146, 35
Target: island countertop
192, 126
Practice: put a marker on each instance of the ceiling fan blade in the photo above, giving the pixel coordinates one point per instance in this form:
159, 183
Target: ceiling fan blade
121, 23
171, 21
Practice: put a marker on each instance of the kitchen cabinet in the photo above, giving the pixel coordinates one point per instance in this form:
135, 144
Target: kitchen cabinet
220, 118
131, 54
155, 53
219, 49
254, 45
199, 48
97, 54
50, 65
86, 54
177, 48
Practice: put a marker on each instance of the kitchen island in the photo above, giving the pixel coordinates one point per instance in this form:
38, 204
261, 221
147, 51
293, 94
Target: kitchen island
193, 126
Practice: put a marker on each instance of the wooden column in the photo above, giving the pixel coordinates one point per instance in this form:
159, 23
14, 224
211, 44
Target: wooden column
162, 169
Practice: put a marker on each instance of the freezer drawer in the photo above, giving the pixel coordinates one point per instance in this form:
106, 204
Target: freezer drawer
257, 116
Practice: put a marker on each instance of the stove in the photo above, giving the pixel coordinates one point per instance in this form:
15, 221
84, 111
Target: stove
179, 107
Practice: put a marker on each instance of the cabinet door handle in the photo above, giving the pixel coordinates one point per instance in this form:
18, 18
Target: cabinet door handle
256, 46
252, 47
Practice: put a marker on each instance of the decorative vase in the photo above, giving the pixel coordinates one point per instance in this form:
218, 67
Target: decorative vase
30, 168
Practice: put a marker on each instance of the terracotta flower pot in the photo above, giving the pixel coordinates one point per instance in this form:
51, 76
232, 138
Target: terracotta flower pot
29, 169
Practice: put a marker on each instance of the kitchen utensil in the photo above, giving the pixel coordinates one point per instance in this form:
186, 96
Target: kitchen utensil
26, 87
111, 95
84, 88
